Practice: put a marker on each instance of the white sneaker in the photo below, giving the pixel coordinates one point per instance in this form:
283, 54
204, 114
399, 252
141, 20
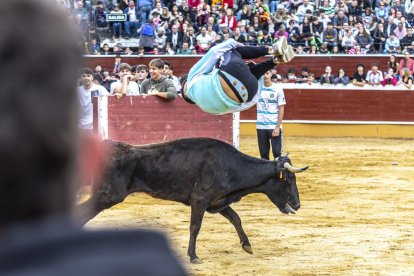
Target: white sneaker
287, 55
280, 46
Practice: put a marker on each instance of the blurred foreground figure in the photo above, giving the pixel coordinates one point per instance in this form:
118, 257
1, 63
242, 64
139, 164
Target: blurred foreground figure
39, 152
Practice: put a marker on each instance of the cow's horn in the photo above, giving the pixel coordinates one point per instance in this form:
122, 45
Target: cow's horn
292, 169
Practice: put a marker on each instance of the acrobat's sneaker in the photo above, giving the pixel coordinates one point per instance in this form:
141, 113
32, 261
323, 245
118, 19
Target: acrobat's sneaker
287, 56
280, 46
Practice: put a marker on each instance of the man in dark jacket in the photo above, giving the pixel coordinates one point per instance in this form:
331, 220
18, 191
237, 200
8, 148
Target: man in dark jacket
41, 145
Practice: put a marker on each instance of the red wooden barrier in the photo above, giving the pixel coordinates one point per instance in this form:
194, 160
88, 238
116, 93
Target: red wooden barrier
139, 120
345, 103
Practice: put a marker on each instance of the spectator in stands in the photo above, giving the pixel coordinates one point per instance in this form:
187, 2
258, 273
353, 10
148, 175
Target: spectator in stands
147, 36
303, 76
275, 76
190, 38
392, 41
398, 7
299, 50
168, 71
390, 26
203, 41
294, 5
82, 11
327, 9
93, 47
400, 31
330, 35
132, 21
341, 6
175, 38
406, 78
364, 39
406, 62
303, 8
160, 38
125, 85
324, 48
145, 7
106, 50
165, 15
317, 26
342, 78
305, 26
323, 18
157, 84
86, 92
281, 15
100, 15
409, 9
374, 76
389, 78
82, 26
327, 77
339, 20
381, 11
291, 75
281, 32
407, 42
393, 64
380, 38
116, 26
354, 8
203, 13
140, 73
184, 50
359, 78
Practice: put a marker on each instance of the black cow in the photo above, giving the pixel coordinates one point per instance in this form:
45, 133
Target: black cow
206, 174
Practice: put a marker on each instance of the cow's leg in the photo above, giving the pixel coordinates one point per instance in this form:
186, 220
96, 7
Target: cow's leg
234, 218
101, 198
198, 208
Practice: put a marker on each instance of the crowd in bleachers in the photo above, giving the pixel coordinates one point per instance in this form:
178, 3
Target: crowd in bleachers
193, 26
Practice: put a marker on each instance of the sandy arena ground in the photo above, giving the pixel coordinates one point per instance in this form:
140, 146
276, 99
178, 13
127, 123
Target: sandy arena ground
356, 217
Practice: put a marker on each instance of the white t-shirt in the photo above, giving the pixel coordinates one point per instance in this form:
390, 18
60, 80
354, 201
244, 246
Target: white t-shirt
270, 99
132, 89
204, 40
86, 106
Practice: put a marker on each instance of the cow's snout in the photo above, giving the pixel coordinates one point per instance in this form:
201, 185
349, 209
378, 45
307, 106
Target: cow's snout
295, 206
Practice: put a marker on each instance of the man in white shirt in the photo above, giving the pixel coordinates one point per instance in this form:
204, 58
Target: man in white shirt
86, 92
203, 41
270, 111
374, 76
125, 85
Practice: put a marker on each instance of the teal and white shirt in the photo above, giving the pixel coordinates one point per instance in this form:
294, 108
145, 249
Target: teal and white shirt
270, 98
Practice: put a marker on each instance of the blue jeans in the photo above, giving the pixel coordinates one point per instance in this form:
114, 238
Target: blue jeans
145, 13
273, 6
135, 25
117, 29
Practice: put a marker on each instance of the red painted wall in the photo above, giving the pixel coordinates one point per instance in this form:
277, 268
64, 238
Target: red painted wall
345, 105
139, 120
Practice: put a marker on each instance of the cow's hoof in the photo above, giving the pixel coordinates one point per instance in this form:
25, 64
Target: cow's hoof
247, 247
196, 260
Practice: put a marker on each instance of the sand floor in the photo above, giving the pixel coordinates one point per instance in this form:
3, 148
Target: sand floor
356, 216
